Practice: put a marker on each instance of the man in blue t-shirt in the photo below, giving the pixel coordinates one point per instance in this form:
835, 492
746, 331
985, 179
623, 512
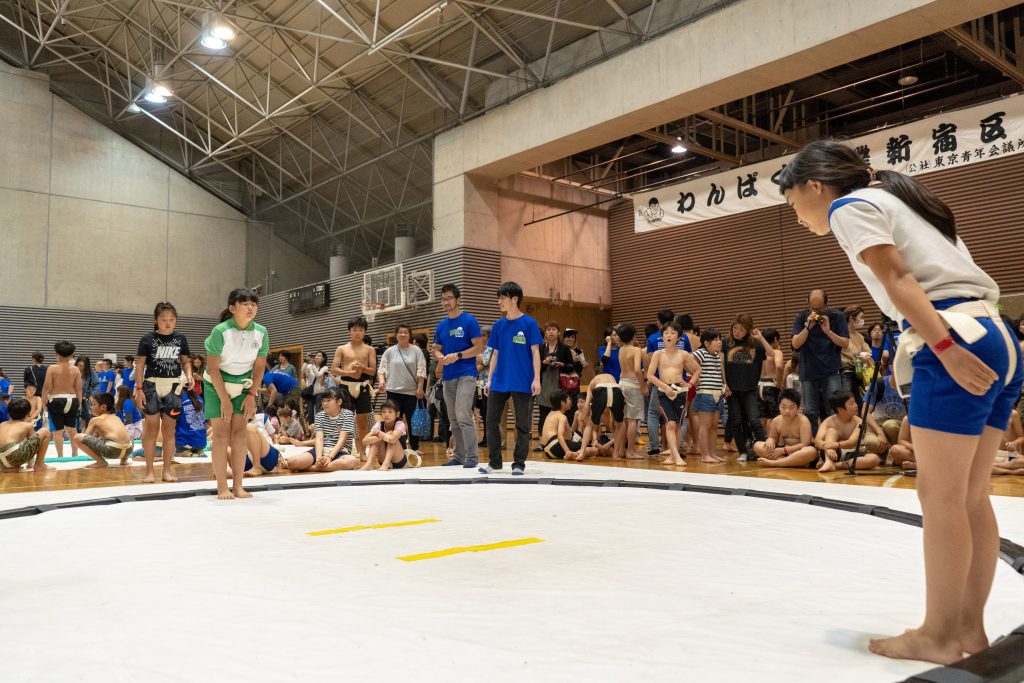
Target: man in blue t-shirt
457, 341
819, 334
104, 376
514, 373
127, 375
275, 383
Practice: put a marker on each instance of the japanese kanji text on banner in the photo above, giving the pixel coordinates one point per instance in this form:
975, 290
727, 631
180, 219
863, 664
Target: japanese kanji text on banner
957, 138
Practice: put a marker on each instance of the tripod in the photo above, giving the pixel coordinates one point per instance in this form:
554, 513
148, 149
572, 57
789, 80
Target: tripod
889, 327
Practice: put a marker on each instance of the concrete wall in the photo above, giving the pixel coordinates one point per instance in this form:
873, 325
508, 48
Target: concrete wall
273, 262
91, 222
567, 255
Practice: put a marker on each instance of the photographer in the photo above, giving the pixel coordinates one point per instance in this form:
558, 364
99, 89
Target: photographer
819, 334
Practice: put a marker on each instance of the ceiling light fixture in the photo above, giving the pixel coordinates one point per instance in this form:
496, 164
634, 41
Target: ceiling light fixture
907, 79
134, 108
213, 42
220, 29
154, 97
678, 147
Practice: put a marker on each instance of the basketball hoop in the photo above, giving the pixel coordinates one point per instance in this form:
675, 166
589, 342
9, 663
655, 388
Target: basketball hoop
371, 309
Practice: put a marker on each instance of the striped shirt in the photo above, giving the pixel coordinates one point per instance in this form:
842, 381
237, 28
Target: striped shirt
333, 426
710, 370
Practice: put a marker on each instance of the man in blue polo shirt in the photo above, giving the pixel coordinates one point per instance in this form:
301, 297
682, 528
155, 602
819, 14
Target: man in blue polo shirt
457, 341
819, 334
514, 373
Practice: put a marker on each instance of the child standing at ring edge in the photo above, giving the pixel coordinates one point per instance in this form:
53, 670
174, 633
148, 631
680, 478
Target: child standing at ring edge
236, 358
902, 242
164, 369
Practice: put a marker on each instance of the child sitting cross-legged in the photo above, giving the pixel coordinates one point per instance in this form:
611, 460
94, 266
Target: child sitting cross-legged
106, 436
19, 443
385, 443
789, 442
837, 435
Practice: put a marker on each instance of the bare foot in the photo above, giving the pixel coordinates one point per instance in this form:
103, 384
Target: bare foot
827, 466
168, 477
43, 468
669, 462
225, 495
718, 458
149, 478
913, 645
711, 460
124, 460
766, 462
908, 465
242, 493
96, 465
636, 456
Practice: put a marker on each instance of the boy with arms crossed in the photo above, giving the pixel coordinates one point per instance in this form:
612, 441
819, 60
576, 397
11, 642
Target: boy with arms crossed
790, 442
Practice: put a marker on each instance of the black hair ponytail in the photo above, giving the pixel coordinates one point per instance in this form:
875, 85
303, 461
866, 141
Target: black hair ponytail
838, 166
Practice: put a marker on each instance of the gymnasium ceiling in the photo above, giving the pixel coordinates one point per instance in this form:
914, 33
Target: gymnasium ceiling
319, 115
965, 65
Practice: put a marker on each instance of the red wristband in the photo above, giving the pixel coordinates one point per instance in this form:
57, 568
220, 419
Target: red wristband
943, 345
785, 450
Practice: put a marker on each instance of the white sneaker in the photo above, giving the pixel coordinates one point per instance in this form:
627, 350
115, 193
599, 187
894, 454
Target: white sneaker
487, 469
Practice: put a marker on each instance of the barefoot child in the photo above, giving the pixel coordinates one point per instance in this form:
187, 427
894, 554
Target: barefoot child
386, 442
19, 443
555, 434
106, 436
37, 405
62, 395
790, 442
666, 373
711, 394
604, 395
634, 388
579, 425
902, 452
354, 368
902, 242
837, 435
236, 357
164, 368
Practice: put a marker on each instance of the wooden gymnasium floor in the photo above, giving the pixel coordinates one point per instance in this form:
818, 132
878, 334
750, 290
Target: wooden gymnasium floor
433, 455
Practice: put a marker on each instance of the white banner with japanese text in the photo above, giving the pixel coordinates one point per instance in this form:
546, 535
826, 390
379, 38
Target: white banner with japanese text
957, 138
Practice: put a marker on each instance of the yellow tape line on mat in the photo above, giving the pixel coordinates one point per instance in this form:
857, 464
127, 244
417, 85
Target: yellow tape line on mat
470, 549
326, 532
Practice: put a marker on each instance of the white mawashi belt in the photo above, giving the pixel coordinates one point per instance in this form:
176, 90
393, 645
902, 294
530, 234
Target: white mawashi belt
962, 320
762, 383
234, 389
167, 385
68, 398
356, 388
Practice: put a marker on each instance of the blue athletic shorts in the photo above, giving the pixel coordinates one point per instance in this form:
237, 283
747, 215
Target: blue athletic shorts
268, 462
937, 402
